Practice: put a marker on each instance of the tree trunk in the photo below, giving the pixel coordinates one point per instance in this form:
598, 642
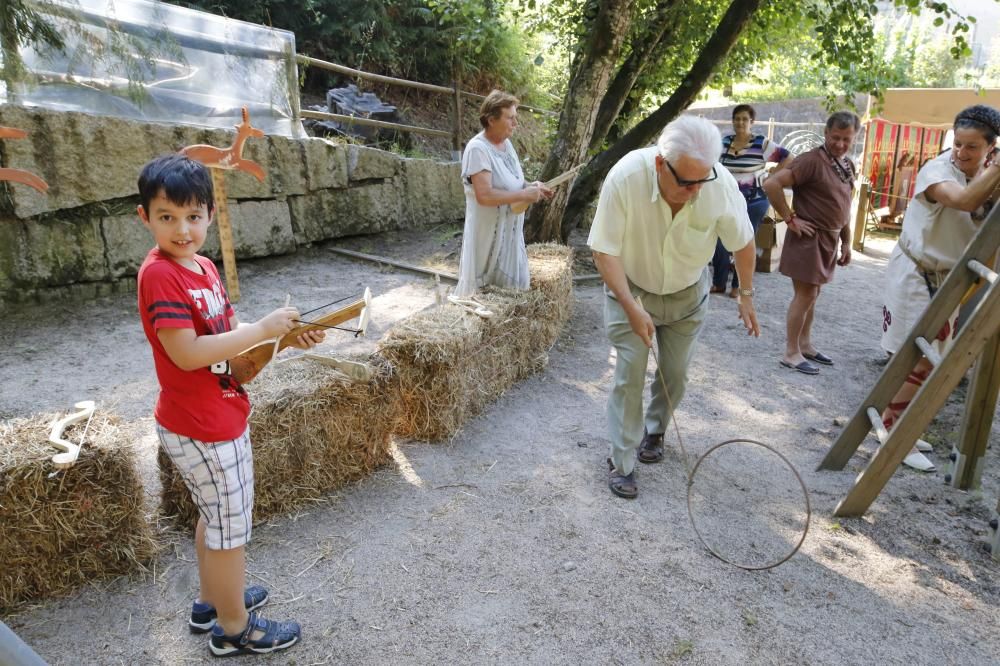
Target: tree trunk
586, 187
644, 49
593, 70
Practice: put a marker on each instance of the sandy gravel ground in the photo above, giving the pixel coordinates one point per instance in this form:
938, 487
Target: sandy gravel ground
504, 544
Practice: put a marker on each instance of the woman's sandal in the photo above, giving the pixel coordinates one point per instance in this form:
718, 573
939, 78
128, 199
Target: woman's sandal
623, 485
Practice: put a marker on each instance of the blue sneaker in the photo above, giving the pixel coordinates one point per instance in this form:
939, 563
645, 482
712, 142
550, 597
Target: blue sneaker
203, 615
276, 636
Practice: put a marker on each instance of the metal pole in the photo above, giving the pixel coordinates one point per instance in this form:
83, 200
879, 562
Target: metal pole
15, 652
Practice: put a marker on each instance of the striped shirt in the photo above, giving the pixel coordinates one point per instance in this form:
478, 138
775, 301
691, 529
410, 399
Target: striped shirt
749, 165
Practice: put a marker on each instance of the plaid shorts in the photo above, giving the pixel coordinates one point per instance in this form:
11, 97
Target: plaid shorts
219, 476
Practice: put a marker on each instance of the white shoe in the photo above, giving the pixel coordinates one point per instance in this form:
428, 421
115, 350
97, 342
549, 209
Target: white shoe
924, 447
919, 462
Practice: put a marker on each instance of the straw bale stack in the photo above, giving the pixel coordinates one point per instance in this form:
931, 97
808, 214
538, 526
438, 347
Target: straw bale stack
313, 430
61, 529
452, 363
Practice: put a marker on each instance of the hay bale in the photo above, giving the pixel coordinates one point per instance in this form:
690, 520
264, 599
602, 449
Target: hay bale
452, 363
78, 525
313, 430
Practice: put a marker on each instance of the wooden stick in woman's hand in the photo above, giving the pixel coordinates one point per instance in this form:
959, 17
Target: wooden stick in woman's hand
518, 208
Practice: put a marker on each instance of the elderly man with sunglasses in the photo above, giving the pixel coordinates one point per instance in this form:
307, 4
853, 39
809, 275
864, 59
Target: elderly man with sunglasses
660, 212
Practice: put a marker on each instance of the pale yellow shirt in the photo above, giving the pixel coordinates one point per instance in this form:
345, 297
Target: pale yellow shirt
663, 253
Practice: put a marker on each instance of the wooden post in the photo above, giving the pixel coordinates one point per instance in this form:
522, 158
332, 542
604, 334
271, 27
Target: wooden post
292, 75
223, 159
983, 324
948, 296
456, 138
770, 128
861, 218
225, 235
980, 404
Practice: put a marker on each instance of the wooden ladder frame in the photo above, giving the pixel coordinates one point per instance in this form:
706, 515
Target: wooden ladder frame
978, 338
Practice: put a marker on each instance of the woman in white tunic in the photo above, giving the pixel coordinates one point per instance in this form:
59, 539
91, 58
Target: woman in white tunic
493, 249
952, 195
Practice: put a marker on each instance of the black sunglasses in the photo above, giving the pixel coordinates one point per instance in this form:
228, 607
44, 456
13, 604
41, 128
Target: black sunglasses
683, 182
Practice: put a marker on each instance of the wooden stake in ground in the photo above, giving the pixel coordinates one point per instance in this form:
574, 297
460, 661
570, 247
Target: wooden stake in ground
218, 160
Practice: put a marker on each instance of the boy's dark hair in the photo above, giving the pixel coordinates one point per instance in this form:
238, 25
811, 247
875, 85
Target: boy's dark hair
181, 179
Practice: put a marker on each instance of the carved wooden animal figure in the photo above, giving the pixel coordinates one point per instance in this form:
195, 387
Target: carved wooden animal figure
20, 175
232, 157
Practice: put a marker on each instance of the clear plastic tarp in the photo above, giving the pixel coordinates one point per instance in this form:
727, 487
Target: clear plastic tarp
154, 61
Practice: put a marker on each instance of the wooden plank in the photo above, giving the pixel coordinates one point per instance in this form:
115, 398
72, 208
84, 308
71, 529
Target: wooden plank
903, 361
980, 406
392, 262
319, 115
225, 235
357, 73
981, 327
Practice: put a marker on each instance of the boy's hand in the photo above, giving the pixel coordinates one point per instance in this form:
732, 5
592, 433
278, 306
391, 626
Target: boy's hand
309, 339
279, 322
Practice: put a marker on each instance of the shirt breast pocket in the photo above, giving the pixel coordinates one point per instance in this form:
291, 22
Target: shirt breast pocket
697, 236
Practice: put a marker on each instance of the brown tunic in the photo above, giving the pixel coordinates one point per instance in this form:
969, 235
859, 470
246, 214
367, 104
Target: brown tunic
822, 198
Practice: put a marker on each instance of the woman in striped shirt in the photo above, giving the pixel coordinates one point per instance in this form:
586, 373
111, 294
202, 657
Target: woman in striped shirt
746, 156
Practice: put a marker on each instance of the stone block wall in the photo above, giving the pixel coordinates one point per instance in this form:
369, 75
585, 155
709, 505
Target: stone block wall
83, 237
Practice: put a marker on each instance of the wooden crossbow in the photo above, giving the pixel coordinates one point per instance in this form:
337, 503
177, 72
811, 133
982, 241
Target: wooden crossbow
249, 363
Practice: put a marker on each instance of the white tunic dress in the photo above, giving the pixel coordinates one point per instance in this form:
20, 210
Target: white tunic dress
493, 249
935, 236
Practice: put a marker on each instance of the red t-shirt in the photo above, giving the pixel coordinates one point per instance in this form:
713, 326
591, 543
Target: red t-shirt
207, 404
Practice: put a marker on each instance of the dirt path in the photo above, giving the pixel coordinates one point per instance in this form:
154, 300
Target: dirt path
505, 546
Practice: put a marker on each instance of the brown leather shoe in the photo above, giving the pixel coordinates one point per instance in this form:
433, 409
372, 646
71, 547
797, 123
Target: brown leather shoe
651, 449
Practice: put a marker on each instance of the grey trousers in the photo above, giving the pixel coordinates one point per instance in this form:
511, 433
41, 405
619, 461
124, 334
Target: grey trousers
678, 318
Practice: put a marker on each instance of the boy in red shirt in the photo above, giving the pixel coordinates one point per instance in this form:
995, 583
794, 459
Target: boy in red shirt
201, 414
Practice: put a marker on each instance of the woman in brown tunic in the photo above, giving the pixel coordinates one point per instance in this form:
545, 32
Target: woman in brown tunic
821, 182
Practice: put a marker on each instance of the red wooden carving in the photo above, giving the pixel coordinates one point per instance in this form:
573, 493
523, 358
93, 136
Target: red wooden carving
232, 157
20, 175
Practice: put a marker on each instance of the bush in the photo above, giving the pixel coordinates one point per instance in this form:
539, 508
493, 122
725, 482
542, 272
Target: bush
413, 39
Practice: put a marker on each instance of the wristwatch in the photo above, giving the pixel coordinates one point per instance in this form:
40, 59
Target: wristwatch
747, 292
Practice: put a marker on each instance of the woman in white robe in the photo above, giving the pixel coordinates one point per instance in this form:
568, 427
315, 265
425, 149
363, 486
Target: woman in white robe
493, 250
952, 196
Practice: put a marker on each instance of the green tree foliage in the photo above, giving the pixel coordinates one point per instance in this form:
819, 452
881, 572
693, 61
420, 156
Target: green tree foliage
20, 25
415, 39
695, 48
58, 29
